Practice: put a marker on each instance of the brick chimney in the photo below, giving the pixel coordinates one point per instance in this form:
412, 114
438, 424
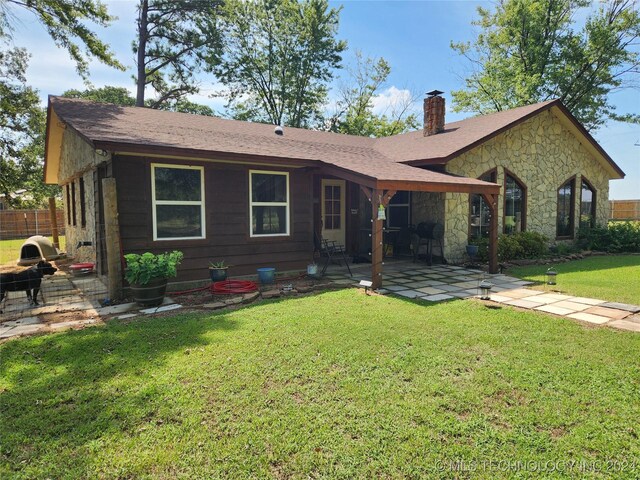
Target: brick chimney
433, 113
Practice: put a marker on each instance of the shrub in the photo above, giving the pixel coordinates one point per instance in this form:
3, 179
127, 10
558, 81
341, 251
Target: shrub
615, 238
142, 268
533, 244
515, 246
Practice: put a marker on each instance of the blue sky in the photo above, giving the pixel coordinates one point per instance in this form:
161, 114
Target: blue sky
413, 36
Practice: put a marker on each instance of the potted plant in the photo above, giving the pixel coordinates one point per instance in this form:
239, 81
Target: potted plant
147, 275
218, 271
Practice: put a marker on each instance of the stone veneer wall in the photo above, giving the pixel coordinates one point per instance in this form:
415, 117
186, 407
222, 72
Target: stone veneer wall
427, 207
543, 154
79, 159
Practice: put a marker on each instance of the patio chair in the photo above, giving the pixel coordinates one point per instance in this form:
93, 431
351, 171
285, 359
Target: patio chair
331, 251
423, 240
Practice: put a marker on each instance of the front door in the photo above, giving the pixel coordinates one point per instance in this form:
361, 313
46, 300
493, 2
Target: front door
333, 218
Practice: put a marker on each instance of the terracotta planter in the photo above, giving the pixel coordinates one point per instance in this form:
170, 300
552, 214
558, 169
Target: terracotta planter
150, 294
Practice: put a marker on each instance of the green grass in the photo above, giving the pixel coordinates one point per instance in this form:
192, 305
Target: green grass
338, 385
613, 278
10, 249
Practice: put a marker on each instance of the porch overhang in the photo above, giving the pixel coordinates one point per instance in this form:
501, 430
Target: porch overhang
380, 186
431, 182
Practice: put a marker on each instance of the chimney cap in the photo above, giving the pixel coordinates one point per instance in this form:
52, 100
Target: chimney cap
434, 93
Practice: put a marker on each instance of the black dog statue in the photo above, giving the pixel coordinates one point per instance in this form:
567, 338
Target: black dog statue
27, 280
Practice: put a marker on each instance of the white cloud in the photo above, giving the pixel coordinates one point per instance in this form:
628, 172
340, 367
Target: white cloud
392, 99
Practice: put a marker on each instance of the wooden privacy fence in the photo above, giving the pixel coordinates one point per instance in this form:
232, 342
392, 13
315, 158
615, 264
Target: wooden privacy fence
25, 223
624, 209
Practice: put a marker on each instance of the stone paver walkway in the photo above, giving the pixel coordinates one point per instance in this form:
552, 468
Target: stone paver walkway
76, 301
447, 282
69, 302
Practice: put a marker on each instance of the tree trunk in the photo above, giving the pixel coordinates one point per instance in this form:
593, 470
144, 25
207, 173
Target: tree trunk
143, 35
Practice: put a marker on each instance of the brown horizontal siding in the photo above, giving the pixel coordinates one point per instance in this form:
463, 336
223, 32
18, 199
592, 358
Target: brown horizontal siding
227, 220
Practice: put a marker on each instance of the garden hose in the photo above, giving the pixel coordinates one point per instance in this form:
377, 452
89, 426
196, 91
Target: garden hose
230, 287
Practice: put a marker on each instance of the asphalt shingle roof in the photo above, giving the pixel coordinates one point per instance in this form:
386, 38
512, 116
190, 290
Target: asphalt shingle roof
109, 126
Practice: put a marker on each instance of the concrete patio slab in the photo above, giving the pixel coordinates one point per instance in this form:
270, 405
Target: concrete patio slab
408, 293
395, 288
430, 290
461, 294
437, 298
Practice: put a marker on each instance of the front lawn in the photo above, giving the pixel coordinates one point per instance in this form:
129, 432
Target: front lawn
338, 385
613, 278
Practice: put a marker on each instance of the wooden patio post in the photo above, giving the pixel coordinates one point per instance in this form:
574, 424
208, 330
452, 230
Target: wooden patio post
54, 222
112, 233
492, 203
377, 197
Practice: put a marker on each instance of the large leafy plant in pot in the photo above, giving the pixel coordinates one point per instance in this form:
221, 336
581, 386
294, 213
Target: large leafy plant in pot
147, 275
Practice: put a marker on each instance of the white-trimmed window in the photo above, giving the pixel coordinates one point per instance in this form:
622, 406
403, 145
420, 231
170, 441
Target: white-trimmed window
178, 202
268, 203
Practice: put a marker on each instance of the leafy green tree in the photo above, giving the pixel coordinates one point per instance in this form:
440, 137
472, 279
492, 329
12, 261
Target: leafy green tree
21, 133
66, 23
173, 39
122, 96
278, 58
116, 95
531, 50
354, 113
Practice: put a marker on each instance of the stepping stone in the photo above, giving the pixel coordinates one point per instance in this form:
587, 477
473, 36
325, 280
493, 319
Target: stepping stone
166, 308
522, 303
555, 310
588, 317
213, 306
621, 306
113, 309
586, 301
626, 325
554, 297
23, 330
22, 321
522, 293
499, 298
578, 307
437, 298
610, 313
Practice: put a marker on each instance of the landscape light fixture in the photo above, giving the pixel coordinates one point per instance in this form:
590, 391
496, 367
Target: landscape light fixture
551, 276
485, 290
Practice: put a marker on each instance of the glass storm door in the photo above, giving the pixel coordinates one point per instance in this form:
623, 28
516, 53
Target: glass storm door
333, 227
